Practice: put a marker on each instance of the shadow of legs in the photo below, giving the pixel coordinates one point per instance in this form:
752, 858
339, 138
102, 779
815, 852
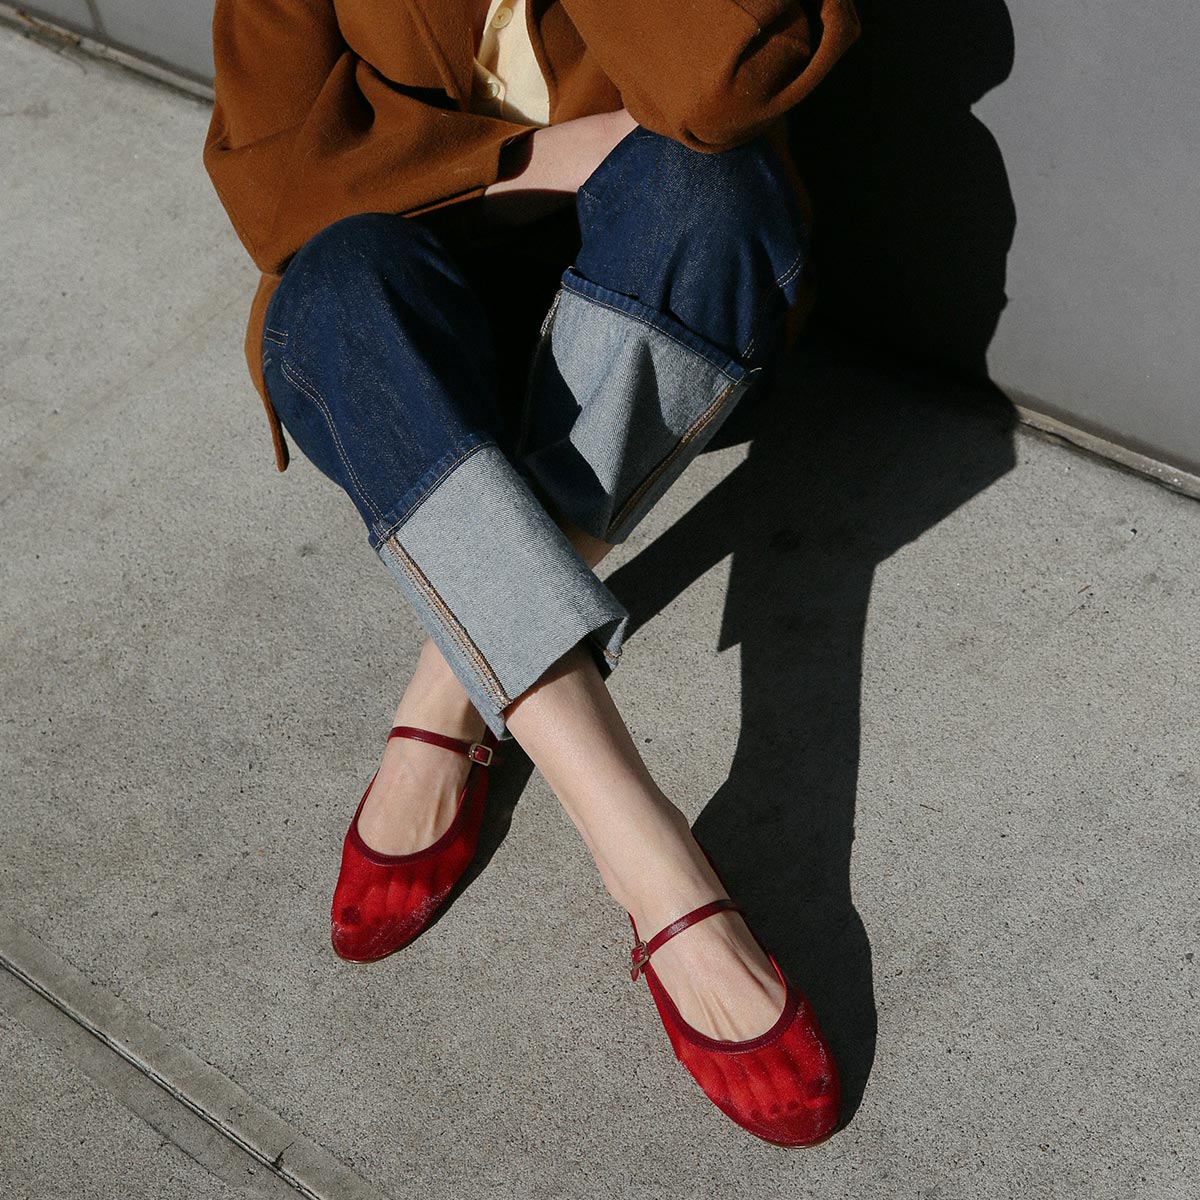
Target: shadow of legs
846, 465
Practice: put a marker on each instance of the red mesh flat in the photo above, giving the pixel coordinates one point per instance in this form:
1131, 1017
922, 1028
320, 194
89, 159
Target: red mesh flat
383, 901
781, 1086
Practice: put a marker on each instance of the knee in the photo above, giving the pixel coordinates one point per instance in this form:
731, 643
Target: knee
728, 193
363, 239
349, 260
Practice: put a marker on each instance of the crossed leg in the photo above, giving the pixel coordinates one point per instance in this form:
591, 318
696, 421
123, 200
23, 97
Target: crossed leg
567, 722
687, 263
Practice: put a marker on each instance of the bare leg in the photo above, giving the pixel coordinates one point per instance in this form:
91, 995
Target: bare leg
651, 865
416, 791
414, 796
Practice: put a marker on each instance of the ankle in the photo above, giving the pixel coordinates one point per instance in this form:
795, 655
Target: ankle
665, 875
434, 699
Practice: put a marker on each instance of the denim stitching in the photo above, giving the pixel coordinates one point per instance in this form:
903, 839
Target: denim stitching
794, 269
782, 281
474, 656
689, 436
305, 388
651, 325
611, 658
452, 625
405, 563
441, 610
279, 338
391, 529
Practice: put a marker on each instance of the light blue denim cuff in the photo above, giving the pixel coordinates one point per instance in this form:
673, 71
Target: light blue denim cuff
496, 584
621, 398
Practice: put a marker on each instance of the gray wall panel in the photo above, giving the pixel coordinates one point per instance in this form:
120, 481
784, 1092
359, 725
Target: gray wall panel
1013, 189
74, 13
178, 32
1097, 126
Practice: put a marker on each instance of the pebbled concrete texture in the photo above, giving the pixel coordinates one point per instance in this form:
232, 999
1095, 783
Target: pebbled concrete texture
66, 1136
927, 686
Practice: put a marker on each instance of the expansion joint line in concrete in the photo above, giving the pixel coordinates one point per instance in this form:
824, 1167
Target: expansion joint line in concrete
190, 1081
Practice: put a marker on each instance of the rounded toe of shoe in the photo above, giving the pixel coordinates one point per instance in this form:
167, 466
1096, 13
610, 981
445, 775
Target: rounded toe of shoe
791, 1095
808, 1124
799, 1116
352, 941
356, 940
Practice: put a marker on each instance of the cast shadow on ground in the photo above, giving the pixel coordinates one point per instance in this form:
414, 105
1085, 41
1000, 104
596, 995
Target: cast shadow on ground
847, 463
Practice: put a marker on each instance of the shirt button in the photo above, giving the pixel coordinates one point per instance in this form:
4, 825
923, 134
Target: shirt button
492, 88
502, 18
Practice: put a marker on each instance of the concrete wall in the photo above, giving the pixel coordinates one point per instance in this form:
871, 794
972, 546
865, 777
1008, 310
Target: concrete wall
176, 33
1098, 126
1009, 189
1012, 189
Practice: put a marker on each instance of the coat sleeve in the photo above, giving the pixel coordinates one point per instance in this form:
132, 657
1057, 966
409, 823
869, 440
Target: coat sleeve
304, 132
713, 73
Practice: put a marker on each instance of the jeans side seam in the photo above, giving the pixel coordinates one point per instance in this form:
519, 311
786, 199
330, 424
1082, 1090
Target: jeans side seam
649, 325
782, 281
608, 654
305, 388
474, 656
536, 359
688, 437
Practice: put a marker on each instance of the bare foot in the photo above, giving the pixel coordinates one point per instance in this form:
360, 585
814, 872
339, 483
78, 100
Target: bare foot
719, 977
416, 792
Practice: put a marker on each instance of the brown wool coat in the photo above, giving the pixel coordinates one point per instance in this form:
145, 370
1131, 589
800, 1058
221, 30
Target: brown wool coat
325, 108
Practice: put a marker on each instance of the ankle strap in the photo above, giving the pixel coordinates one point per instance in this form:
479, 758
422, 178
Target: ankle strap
479, 752
642, 951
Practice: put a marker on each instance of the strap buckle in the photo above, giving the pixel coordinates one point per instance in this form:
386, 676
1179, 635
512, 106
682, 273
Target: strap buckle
641, 956
481, 754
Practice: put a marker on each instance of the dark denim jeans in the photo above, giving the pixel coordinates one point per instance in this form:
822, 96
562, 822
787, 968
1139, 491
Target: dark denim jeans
412, 373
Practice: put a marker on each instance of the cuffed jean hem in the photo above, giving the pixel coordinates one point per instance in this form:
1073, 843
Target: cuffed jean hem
622, 398
496, 584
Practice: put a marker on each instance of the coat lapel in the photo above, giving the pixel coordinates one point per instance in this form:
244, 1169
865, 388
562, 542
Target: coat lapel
447, 26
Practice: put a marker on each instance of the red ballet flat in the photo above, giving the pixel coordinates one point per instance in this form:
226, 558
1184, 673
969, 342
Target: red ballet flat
781, 1086
383, 901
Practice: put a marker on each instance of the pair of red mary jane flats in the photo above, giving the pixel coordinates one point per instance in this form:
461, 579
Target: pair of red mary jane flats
781, 1086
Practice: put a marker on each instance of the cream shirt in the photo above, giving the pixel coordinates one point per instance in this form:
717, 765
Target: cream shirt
508, 81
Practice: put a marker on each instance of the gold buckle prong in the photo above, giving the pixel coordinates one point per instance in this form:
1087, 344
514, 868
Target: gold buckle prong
640, 958
478, 748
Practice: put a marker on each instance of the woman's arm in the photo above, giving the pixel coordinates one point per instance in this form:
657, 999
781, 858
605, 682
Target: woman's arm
304, 132
546, 169
716, 75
